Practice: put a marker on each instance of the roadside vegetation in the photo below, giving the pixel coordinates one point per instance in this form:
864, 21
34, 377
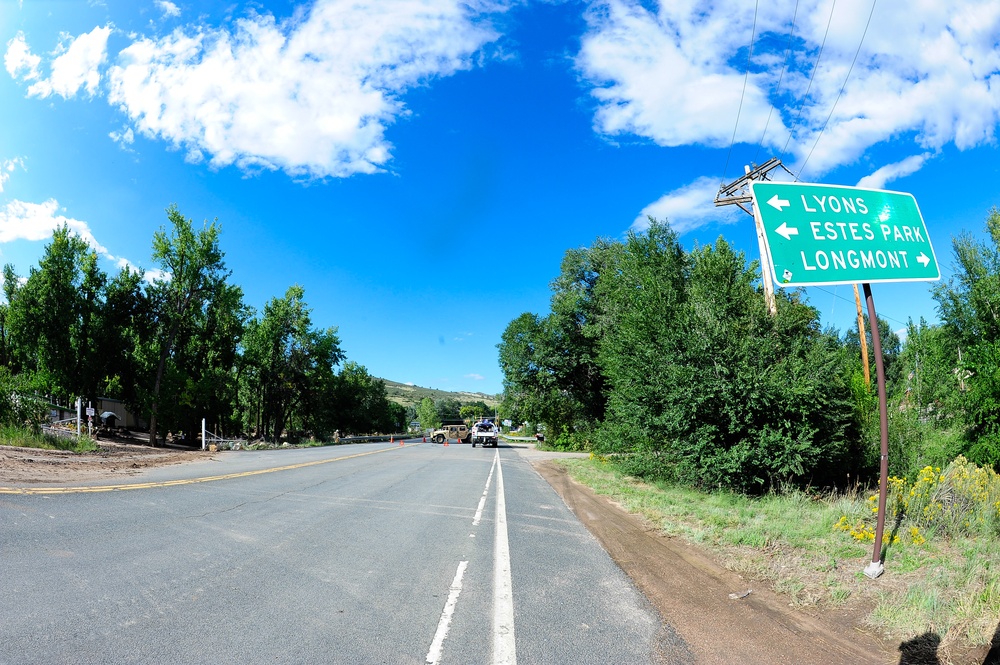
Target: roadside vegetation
22, 437
176, 344
758, 435
941, 563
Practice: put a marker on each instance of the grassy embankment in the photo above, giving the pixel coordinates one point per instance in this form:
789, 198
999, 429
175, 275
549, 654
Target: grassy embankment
942, 537
23, 438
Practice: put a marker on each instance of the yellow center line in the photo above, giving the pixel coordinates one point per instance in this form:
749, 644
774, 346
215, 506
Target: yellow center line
189, 481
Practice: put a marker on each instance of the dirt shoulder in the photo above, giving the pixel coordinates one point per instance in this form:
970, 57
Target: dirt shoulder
115, 459
693, 594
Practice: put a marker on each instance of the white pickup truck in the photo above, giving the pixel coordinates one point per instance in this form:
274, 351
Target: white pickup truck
485, 433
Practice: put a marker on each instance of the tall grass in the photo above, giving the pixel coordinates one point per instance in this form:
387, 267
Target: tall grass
24, 438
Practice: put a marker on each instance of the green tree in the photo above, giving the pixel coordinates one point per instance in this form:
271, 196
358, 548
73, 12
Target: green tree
124, 327
575, 327
653, 398
427, 414
891, 348
448, 408
363, 405
476, 410
705, 385
288, 369
550, 364
52, 321
969, 304
18, 405
928, 365
194, 275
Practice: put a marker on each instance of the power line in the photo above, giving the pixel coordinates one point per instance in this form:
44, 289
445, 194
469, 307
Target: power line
812, 76
851, 301
732, 142
777, 90
842, 88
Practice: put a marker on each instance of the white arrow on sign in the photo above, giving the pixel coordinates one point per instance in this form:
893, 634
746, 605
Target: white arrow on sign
923, 259
775, 202
787, 231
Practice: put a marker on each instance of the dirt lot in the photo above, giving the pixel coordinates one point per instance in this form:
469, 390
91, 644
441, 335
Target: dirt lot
705, 604
21, 466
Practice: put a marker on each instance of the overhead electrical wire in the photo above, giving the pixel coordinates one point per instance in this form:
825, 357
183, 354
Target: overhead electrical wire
781, 76
812, 76
842, 88
739, 110
851, 301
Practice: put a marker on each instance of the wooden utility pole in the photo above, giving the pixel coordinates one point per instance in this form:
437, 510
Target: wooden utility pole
738, 193
863, 337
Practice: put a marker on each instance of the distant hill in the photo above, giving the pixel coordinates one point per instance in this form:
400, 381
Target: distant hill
408, 395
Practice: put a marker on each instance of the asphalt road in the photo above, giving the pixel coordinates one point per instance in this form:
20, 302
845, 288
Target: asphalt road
371, 553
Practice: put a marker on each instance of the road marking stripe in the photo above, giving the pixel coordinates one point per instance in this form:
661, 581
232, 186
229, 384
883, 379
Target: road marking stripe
434, 654
482, 501
189, 481
504, 651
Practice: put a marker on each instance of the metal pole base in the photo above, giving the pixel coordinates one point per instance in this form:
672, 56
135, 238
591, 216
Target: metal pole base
874, 569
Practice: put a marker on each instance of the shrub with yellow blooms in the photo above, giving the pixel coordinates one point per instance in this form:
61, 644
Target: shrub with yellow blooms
963, 499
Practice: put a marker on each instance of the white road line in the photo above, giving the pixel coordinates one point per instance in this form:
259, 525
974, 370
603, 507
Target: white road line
504, 652
434, 654
482, 501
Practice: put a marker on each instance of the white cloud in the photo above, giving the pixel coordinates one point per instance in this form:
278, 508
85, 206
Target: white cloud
688, 207
76, 67
7, 167
154, 275
667, 76
20, 220
312, 95
927, 72
475, 377
19, 61
880, 178
124, 138
168, 8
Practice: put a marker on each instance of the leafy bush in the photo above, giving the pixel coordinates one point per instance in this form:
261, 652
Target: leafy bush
705, 382
18, 406
569, 441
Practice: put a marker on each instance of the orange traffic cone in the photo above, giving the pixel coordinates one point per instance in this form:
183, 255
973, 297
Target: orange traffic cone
391, 440
446, 442
400, 441
425, 440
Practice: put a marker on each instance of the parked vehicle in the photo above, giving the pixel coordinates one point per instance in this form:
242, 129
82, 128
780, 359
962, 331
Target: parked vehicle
446, 432
485, 433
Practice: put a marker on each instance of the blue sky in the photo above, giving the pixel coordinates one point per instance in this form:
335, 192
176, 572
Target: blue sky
421, 166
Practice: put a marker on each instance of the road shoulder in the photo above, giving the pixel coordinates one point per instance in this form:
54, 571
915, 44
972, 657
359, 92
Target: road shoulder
692, 593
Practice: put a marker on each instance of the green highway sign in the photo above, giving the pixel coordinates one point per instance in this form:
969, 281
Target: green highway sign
827, 234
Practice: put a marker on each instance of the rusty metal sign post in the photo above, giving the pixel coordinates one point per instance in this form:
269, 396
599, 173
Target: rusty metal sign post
876, 567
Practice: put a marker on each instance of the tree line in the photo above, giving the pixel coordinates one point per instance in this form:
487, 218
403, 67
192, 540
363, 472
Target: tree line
178, 347
432, 412
668, 361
